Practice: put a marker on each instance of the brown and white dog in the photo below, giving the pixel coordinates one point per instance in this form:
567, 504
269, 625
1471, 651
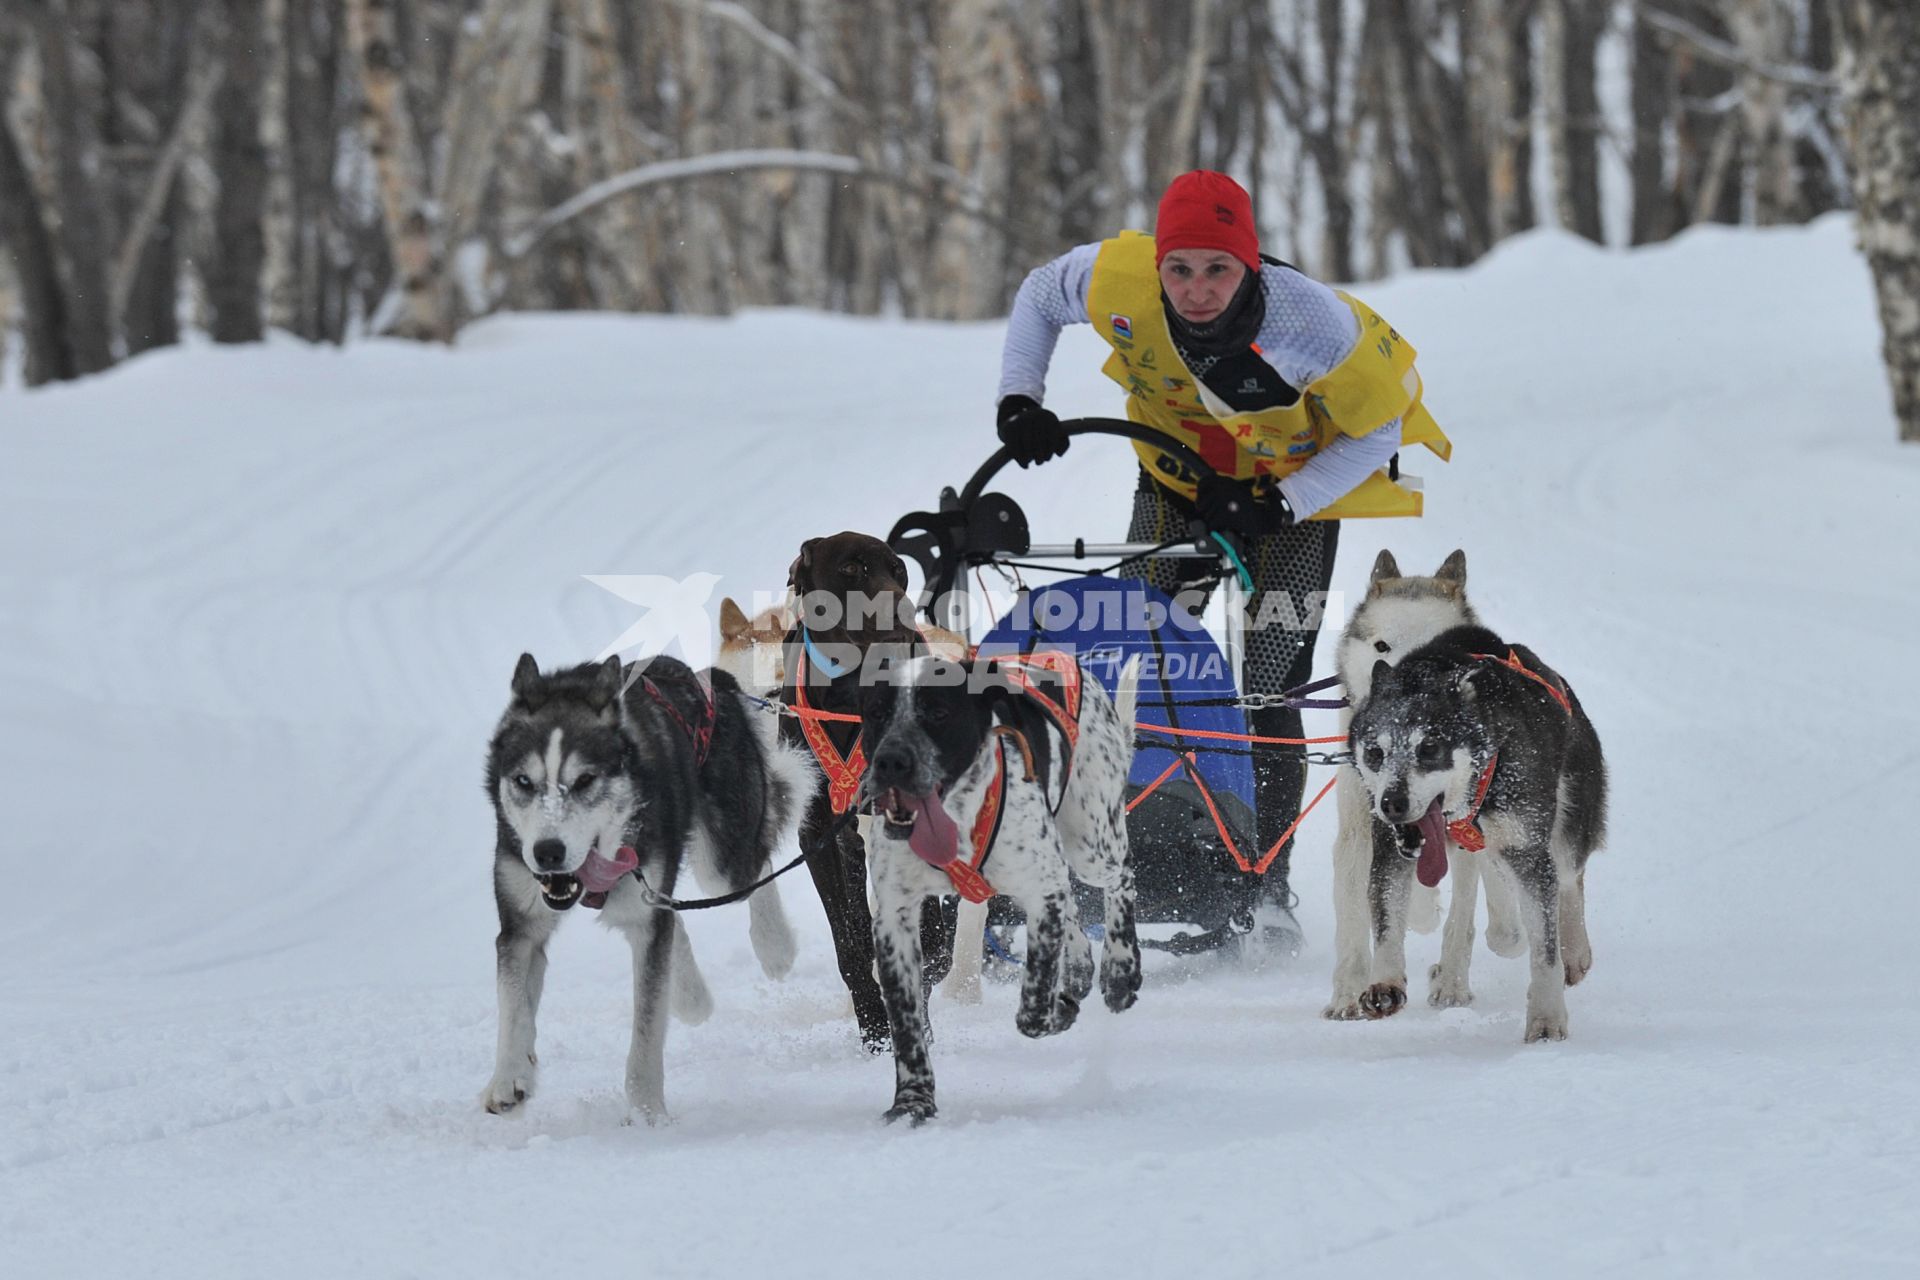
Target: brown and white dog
850, 597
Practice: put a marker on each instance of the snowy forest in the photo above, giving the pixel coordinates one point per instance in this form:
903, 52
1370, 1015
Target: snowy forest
343, 167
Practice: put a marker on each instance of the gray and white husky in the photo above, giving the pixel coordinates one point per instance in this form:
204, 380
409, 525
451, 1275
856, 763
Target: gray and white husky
599, 773
1400, 613
1473, 744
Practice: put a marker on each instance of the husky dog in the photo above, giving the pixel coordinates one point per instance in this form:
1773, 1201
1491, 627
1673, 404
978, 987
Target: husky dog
1049, 749
1474, 744
1399, 614
598, 771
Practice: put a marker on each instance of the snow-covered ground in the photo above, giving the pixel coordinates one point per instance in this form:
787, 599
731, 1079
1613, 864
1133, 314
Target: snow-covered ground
258, 611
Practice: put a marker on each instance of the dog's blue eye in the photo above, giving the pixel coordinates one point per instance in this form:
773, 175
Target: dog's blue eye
523, 782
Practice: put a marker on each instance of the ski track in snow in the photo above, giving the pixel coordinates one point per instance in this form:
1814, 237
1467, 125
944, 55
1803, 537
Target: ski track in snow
260, 607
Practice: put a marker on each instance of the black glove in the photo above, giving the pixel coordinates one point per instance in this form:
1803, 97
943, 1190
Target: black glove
1227, 505
1032, 432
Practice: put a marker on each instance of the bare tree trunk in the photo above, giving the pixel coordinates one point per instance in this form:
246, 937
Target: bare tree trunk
496, 74
322, 268
83, 240
234, 274
373, 31
29, 246
1763, 29
628, 237
1496, 91
976, 76
281, 288
1570, 40
1655, 216
803, 231
1883, 105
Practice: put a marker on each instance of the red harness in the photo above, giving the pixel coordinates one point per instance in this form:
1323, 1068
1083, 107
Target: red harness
968, 882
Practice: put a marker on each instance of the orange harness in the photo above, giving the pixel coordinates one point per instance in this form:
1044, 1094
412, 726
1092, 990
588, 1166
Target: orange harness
1512, 663
843, 772
1466, 832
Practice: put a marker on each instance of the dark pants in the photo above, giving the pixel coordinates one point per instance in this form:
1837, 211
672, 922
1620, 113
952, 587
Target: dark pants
1291, 572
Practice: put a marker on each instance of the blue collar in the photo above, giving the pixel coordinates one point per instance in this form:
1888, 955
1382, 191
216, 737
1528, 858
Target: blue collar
833, 669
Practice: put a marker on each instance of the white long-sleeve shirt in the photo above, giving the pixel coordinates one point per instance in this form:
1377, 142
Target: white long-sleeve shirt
1308, 331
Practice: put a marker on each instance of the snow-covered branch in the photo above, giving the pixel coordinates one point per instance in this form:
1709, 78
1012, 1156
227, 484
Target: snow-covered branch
1729, 54
718, 162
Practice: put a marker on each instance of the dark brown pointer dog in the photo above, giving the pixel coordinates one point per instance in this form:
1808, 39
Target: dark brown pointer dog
849, 590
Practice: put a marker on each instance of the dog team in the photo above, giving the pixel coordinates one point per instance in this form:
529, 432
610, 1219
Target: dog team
918, 775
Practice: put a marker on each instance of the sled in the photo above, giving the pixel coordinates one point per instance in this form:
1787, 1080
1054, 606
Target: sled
1190, 821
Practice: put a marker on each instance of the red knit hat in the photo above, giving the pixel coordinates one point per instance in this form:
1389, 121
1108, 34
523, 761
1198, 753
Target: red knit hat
1206, 210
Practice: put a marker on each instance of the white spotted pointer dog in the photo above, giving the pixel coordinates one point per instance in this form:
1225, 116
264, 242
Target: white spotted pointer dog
998, 777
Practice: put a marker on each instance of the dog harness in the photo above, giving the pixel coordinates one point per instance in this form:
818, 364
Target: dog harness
700, 735
626, 860
1062, 669
1465, 831
1512, 663
843, 773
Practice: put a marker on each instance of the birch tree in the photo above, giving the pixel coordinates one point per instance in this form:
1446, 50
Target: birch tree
1883, 107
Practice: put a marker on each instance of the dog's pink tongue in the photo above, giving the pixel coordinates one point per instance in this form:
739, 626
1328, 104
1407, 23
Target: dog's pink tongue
935, 838
599, 874
1432, 867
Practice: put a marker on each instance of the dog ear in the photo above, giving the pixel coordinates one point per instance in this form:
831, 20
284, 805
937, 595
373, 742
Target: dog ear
1384, 567
733, 622
526, 679
801, 570
1465, 685
1453, 571
608, 680
1382, 675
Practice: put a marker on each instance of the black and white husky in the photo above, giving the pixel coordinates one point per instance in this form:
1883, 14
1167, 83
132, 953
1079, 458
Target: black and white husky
598, 773
1476, 751
938, 733
1400, 613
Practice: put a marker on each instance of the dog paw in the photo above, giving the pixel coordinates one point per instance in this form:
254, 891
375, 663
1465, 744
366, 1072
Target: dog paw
1383, 1000
1077, 977
1546, 1026
653, 1115
1505, 940
914, 1109
1578, 965
1036, 1024
508, 1090
775, 949
1445, 991
1120, 984
1343, 1008
962, 989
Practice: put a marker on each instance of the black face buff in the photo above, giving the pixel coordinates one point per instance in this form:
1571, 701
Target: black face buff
1233, 330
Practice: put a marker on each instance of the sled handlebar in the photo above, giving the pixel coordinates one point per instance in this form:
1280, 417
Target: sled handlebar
1088, 427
